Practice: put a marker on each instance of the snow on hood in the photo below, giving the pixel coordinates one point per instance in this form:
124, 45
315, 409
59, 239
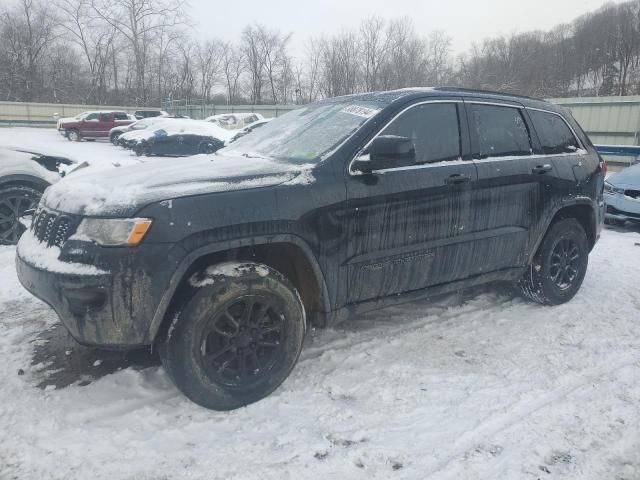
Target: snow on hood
123, 191
629, 177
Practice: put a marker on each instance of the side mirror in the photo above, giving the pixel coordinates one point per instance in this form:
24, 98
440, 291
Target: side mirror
386, 151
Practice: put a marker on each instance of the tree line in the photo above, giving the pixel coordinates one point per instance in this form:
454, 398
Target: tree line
143, 52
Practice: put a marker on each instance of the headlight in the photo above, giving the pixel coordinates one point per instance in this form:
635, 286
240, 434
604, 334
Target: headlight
608, 188
114, 232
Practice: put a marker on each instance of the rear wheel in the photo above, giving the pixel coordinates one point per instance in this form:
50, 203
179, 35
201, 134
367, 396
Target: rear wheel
138, 149
114, 138
74, 135
559, 266
236, 336
208, 147
16, 203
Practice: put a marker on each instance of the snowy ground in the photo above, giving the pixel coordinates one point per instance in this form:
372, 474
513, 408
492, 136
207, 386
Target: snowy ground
483, 386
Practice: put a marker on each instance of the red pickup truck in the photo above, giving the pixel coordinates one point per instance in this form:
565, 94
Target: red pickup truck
93, 125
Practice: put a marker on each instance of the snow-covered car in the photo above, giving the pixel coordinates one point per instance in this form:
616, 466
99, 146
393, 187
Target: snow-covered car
234, 121
181, 137
250, 128
116, 132
23, 178
622, 196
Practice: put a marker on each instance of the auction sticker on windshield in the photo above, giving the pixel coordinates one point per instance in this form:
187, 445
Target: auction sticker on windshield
360, 111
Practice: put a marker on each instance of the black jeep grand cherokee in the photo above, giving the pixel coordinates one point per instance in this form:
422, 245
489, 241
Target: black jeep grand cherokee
339, 207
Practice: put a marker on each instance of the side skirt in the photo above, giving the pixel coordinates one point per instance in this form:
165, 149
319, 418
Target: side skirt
344, 313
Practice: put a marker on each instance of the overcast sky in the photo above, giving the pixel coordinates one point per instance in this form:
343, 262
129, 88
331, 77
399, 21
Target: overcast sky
466, 21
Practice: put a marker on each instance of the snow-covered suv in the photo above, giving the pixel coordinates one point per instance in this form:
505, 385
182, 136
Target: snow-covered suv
23, 178
343, 206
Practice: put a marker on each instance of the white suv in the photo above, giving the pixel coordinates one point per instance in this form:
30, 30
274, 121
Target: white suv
23, 178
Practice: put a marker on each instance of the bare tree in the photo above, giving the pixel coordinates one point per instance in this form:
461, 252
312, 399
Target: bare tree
374, 45
139, 21
25, 32
209, 64
232, 67
94, 38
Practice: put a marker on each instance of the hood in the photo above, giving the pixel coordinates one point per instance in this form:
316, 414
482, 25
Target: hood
123, 191
629, 177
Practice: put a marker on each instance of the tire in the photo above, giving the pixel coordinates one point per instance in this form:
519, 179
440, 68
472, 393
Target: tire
235, 337
559, 266
138, 150
74, 135
615, 222
15, 201
206, 148
114, 139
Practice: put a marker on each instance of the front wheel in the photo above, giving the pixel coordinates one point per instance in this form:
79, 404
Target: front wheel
73, 135
559, 266
236, 335
114, 138
16, 203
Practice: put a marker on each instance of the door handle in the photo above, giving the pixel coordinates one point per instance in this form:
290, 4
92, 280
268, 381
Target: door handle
541, 169
457, 179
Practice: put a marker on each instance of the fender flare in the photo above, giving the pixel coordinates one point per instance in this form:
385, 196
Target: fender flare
194, 255
23, 179
577, 201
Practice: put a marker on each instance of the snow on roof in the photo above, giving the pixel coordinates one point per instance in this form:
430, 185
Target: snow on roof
178, 126
221, 116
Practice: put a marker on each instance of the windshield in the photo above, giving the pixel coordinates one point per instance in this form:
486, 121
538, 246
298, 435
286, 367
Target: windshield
307, 134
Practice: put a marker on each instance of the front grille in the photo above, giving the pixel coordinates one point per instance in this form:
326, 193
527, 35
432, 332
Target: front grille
52, 228
632, 193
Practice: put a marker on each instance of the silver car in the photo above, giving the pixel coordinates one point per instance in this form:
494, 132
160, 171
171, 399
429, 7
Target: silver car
622, 196
23, 178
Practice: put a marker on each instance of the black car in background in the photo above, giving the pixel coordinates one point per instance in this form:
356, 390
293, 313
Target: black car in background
182, 144
339, 207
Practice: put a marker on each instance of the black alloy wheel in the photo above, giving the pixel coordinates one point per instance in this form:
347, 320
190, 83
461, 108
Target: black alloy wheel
234, 334
243, 342
16, 203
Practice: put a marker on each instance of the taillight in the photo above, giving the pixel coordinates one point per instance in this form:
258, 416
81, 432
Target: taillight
603, 167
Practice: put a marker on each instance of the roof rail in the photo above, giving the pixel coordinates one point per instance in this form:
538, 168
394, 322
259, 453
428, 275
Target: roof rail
490, 92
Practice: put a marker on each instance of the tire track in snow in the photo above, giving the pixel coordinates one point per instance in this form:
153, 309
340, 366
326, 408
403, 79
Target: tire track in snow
520, 410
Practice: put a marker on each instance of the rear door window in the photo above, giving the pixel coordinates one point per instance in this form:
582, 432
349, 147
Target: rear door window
500, 131
555, 135
434, 129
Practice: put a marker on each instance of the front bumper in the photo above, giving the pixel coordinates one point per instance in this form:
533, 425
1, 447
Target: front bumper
620, 207
109, 307
82, 302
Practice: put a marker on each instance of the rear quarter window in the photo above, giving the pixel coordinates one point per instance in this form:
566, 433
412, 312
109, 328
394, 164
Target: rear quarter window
555, 135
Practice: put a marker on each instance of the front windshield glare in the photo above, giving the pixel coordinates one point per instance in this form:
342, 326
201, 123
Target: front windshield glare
305, 135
